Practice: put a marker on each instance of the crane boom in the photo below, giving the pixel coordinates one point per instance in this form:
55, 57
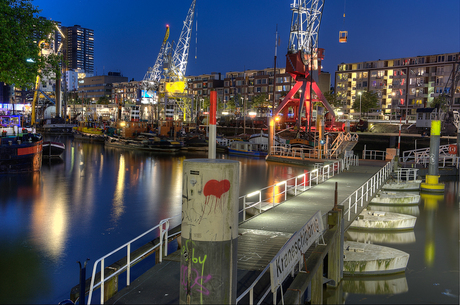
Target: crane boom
180, 56
305, 23
153, 75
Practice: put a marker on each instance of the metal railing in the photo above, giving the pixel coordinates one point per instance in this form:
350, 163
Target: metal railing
163, 228
374, 154
443, 160
268, 196
298, 184
367, 190
412, 154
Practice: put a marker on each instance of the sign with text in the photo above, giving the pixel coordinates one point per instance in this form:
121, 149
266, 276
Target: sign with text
290, 254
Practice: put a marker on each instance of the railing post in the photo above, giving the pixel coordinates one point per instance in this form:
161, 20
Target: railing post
161, 243
260, 202
128, 266
349, 207
102, 281
244, 207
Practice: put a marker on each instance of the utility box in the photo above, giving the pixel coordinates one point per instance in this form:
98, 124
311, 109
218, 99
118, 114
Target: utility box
390, 154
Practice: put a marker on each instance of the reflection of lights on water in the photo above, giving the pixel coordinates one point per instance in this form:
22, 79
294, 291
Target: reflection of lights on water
50, 222
431, 205
118, 203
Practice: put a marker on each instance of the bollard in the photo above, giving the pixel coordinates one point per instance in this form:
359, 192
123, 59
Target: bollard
209, 231
82, 282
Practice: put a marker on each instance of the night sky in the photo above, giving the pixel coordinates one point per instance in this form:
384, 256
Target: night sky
234, 35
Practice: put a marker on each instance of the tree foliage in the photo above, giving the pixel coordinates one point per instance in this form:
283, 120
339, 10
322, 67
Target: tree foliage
369, 100
333, 99
23, 34
440, 102
261, 100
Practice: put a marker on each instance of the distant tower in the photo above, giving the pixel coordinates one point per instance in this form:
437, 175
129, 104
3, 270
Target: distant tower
79, 49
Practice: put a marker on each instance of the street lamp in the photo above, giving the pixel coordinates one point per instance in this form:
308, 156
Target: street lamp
360, 93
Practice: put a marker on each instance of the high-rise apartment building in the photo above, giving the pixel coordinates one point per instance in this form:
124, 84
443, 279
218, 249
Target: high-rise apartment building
402, 84
79, 49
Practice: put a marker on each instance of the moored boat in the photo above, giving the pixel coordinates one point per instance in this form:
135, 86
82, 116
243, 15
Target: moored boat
53, 149
370, 259
246, 149
20, 148
152, 145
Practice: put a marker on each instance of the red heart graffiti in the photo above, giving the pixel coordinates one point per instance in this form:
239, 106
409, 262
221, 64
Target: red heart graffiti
216, 188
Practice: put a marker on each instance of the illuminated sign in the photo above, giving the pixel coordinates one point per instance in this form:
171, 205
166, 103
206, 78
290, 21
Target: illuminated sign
175, 87
147, 93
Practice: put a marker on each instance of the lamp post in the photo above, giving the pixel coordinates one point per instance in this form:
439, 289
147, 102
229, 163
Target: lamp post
360, 93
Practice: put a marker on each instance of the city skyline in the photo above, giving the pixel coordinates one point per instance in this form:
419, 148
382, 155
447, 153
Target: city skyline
240, 35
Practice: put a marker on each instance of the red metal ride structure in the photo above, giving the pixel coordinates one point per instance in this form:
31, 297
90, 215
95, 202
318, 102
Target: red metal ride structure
303, 62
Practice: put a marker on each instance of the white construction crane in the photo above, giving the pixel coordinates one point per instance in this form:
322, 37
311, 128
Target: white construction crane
305, 22
152, 77
180, 57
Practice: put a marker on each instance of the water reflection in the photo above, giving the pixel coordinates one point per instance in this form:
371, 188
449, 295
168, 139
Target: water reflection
431, 202
384, 284
401, 237
118, 205
413, 210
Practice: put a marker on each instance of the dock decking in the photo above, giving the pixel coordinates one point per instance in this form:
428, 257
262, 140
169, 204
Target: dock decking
260, 238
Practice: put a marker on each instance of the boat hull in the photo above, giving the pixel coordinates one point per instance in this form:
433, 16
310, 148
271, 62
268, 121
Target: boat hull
20, 156
247, 153
53, 149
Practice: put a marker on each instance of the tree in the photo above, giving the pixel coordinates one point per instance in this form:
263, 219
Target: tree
23, 35
440, 102
105, 100
333, 99
261, 100
367, 101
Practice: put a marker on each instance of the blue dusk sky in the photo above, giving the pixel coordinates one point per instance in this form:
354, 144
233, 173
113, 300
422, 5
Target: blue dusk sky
240, 34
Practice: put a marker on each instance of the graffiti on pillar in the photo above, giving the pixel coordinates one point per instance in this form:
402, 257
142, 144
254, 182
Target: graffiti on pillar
215, 192
197, 279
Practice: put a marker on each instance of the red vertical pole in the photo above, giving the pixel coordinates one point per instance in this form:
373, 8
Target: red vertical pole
212, 125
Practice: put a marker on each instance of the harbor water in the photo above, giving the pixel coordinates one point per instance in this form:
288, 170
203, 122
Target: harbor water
97, 198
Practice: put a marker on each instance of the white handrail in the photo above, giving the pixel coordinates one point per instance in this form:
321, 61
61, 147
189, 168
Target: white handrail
367, 189
315, 175
163, 226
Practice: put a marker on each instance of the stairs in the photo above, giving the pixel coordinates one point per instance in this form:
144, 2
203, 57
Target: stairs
344, 142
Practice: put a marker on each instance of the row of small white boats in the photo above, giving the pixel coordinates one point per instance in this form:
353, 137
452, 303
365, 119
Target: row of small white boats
378, 223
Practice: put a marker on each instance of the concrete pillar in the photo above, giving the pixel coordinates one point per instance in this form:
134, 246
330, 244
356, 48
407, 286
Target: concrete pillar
209, 231
317, 286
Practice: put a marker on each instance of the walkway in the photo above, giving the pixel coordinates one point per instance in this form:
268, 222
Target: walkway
261, 238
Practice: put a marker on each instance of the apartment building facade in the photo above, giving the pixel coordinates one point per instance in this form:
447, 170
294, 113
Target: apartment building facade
79, 49
402, 84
